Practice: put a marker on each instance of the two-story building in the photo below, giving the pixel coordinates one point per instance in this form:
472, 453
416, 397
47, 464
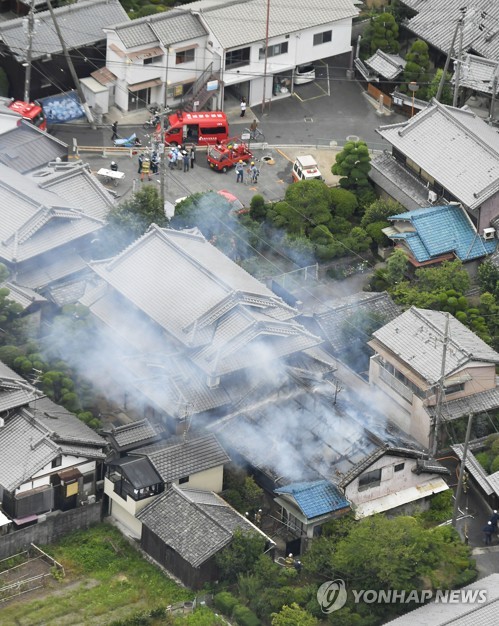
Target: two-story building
410, 364
441, 155
205, 53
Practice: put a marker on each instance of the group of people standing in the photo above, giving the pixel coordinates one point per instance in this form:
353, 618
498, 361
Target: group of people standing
179, 158
148, 165
253, 172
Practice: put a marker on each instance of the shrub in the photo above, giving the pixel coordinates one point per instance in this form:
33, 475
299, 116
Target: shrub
225, 602
258, 210
245, 617
494, 466
8, 354
484, 459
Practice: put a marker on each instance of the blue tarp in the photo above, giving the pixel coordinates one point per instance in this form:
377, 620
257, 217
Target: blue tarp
62, 108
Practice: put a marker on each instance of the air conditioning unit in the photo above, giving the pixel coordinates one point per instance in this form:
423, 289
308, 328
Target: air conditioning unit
489, 233
432, 197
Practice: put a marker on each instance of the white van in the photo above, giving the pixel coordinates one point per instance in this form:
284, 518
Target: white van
305, 168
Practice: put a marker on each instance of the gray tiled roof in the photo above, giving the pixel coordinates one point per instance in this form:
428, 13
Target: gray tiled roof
26, 148
398, 182
34, 221
477, 403
238, 22
435, 23
23, 296
25, 448
457, 613
178, 27
14, 390
82, 24
177, 459
388, 66
54, 267
132, 435
454, 146
478, 73
378, 306
416, 338
196, 526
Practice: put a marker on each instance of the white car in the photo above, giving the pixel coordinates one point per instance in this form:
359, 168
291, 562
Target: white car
304, 74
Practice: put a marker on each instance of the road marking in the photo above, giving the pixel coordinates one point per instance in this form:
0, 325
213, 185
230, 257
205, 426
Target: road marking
283, 154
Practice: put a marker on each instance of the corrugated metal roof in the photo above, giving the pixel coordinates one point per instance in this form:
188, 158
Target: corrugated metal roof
174, 459
435, 23
81, 23
239, 22
439, 230
416, 338
454, 146
457, 613
475, 469
398, 182
316, 498
26, 148
196, 528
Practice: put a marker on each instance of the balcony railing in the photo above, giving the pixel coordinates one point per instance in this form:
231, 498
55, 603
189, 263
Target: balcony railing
395, 384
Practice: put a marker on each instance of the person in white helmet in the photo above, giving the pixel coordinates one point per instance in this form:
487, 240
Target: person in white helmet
113, 167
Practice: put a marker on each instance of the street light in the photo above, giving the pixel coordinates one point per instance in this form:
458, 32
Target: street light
413, 86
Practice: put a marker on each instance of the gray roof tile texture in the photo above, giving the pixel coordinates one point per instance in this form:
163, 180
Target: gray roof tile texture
195, 528
25, 148
174, 460
457, 148
82, 24
477, 403
416, 337
240, 22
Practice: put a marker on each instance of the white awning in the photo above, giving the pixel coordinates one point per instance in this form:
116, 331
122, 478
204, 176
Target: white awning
145, 84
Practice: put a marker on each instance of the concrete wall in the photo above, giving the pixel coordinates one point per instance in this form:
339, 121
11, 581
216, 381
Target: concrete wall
209, 480
55, 526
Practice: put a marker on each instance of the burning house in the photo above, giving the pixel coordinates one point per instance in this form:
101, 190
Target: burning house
190, 332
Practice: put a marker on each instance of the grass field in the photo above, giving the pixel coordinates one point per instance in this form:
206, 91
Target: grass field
106, 580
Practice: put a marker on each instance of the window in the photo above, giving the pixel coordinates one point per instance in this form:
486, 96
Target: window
237, 58
273, 51
183, 480
370, 479
454, 388
324, 37
399, 467
57, 462
157, 59
213, 130
184, 56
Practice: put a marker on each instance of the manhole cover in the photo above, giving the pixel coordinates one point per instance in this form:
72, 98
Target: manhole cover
267, 159
309, 119
352, 138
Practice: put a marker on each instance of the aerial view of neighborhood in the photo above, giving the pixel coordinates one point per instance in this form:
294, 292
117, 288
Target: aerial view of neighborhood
249, 313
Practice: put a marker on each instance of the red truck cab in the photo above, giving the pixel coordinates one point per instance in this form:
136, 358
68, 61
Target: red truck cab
201, 128
31, 112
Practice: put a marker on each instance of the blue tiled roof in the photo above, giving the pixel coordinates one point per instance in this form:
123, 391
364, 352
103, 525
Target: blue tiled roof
316, 498
442, 229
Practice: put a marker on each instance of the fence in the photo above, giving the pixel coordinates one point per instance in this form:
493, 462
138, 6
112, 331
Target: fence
26, 571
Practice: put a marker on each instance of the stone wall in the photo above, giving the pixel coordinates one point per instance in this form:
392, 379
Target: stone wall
54, 526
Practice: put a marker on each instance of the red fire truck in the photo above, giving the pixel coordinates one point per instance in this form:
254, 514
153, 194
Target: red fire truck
30, 111
226, 154
201, 128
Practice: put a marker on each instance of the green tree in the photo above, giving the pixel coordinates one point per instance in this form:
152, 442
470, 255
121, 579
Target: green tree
343, 202
375, 231
306, 204
353, 164
416, 68
380, 210
130, 219
293, 615
382, 33
431, 92
241, 555
258, 210
488, 278
396, 267
449, 275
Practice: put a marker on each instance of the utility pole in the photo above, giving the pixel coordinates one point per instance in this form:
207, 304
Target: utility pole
161, 143
81, 95
462, 471
30, 33
266, 55
457, 76
440, 390
493, 97
449, 54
